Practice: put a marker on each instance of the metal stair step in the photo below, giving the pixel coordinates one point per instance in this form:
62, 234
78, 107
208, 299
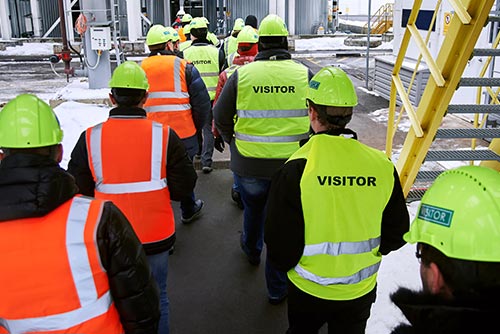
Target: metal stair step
479, 82
463, 155
428, 175
493, 18
468, 133
474, 108
415, 194
486, 52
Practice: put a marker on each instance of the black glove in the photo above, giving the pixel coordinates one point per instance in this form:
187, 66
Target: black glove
219, 144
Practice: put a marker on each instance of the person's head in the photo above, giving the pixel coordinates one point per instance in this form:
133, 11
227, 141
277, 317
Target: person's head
457, 228
252, 21
198, 28
173, 38
180, 13
186, 19
247, 41
29, 125
238, 25
273, 33
157, 38
330, 98
129, 85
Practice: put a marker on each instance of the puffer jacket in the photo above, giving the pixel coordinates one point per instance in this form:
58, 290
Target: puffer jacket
33, 185
429, 313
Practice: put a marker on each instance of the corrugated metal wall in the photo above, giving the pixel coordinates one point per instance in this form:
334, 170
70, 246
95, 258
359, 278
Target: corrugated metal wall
309, 14
20, 13
238, 8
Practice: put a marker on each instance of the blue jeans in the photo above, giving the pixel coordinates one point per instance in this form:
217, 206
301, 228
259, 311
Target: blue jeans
207, 150
254, 192
191, 145
159, 268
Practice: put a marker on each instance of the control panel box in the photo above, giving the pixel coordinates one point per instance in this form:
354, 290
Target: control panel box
100, 38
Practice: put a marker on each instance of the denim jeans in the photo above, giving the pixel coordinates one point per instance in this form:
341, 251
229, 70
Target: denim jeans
159, 268
191, 145
207, 151
254, 192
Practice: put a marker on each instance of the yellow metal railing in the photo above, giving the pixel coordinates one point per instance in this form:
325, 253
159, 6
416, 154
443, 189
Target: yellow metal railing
382, 20
446, 71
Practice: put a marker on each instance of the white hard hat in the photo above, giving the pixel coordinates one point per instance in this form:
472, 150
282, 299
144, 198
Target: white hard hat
181, 12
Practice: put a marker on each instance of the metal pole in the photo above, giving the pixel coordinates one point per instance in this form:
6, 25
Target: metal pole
65, 53
368, 43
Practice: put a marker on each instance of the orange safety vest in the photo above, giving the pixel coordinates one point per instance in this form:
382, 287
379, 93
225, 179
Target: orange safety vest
168, 100
182, 36
130, 170
52, 279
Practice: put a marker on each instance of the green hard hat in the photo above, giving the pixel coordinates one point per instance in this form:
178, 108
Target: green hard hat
28, 122
186, 18
129, 75
157, 34
173, 34
238, 24
332, 87
247, 35
273, 25
198, 23
460, 214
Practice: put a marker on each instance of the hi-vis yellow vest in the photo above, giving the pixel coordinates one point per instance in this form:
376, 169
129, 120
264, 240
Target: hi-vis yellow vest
271, 109
344, 190
206, 60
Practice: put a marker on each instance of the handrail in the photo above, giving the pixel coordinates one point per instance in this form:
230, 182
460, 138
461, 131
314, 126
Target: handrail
382, 20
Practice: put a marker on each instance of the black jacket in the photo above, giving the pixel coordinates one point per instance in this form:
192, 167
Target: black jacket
32, 186
181, 176
284, 227
432, 314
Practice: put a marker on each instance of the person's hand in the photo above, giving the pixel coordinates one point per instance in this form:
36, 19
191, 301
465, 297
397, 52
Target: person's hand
219, 144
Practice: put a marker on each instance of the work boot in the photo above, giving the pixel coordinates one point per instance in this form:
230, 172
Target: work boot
188, 218
237, 198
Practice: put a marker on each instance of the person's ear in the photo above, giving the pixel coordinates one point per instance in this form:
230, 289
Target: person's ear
59, 153
112, 99
434, 280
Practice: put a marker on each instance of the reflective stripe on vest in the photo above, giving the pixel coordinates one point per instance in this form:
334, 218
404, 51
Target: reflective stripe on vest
206, 60
92, 306
341, 255
168, 99
155, 183
272, 117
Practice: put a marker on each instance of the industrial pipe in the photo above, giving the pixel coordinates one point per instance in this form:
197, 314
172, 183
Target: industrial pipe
66, 53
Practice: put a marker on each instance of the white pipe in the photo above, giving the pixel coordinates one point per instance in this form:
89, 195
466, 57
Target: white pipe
134, 20
291, 17
35, 15
5, 30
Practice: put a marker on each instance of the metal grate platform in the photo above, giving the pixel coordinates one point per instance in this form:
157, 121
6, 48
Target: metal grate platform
462, 155
468, 133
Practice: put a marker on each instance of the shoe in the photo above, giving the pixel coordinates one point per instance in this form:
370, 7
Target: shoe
198, 205
254, 260
237, 198
207, 169
277, 300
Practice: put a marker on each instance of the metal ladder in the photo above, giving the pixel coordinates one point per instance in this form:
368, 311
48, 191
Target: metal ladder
114, 18
446, 76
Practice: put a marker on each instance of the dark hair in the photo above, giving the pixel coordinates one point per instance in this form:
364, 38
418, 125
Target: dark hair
157, 47
49, 151
273, 42
331, 116
200, 33
466, 279
128, 97
251, 20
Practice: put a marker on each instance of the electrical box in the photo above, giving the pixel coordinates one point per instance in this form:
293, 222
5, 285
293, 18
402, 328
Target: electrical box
100, 38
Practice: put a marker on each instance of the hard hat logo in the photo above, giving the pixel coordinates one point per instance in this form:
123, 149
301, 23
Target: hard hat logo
28, 122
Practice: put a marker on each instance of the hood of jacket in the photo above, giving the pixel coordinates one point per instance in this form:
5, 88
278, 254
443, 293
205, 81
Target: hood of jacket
32, 186
429, 313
